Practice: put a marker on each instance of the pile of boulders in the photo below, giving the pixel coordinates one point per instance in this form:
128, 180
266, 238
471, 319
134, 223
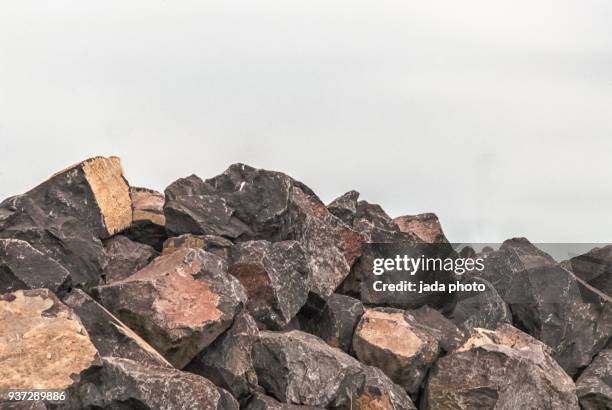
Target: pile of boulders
246, 291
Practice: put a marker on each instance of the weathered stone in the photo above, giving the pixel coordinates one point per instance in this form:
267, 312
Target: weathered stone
43, 344
126, 384
246, 203
432, 322
594, 386
345, 207
179, 303
334, 320
66, 216
227, 362
372, 221
299, 368
503, 369
148, 219
481, 309
109, 335
210, 243
125, 257
549, 304
24, 267
425, 226
594, 267
385, 339
276, 277
263, 402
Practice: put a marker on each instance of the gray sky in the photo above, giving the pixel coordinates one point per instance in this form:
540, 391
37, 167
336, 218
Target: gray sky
496, 115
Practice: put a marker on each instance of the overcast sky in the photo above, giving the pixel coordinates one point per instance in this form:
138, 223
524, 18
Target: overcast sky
496, 115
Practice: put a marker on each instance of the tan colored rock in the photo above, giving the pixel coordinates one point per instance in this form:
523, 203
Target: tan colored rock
179, 303
425, 226
385, 339
501, 369
43, 344
147, 205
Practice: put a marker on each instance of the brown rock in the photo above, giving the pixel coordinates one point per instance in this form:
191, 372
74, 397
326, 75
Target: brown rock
125, 257
345, 207
179, 303
43, 344
263, 402
594, 386
276, 278
385, 339
210, 243
425, 226
148, 225
503, 369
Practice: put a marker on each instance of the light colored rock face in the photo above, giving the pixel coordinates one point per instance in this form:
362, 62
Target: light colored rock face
179, 303
43, 344
385, 339
424, 226
502, 369
147, 205
111, 192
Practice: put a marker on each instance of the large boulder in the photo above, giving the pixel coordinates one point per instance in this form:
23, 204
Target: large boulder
333, 320
299, 368
148, 219
502, 369
594, 386
125, 257
345, 207
66, 216
245, 203
126, 384
549, 303
43, 344
276, 277
426, 227
480, 309
110, 336
386, 339
227, 362
594, 267
179, 303
24, 267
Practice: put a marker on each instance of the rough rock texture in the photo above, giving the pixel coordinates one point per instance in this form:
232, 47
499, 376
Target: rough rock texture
247, 203
148, 219
426, 227
345, 207
276, 277
263, 402
227, 362
594, 386
548, 303
432, 322
43, 344
125, 257
125, 384
385, 339
481, 309
210, 243
109, 335
298, 368
594, 267
24, 267
179, 303
333, 320
66, 216
503, 369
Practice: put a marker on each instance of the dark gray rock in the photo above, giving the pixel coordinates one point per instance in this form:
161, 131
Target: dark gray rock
594, 386
263, 402
24, 267
245, 203
179, 303
276, 277
345, 207
110, 336
502, 369
66, 216
481, 309
125, 257
446, 333
148, 220
210, 243
594, 267
227, 362
333, 320
299, 368
124, 384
